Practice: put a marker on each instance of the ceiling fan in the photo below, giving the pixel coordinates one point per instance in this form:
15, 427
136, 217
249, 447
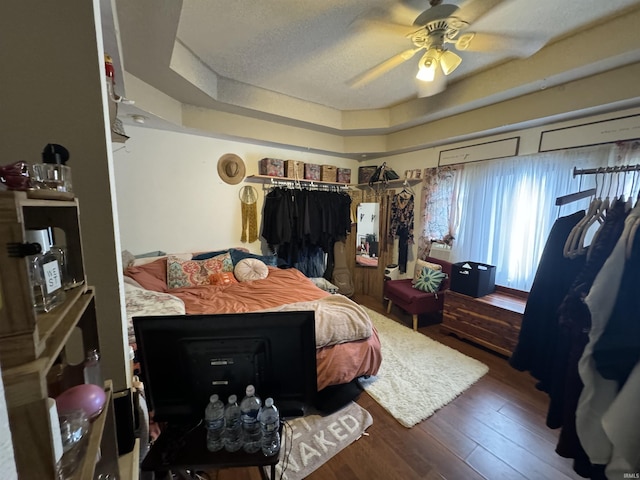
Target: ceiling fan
438, 27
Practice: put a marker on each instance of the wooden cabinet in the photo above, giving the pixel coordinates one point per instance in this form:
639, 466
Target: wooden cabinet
492, 321
32, 345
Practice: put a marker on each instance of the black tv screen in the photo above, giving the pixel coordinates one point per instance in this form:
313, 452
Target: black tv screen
184, 359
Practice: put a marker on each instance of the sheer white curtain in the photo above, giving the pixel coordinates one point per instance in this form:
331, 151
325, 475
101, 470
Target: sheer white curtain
505, 208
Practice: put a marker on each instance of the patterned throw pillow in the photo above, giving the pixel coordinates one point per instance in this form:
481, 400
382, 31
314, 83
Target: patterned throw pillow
429, 280
189, 273
420, 264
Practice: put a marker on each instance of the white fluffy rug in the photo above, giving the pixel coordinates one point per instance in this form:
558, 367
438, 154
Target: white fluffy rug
418, 375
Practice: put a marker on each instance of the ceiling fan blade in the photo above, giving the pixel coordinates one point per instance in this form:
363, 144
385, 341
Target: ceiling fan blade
386, 26
472, 10
518, 46
382, 68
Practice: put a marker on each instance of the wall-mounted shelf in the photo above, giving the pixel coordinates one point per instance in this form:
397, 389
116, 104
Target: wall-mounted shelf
391, 183
283, 181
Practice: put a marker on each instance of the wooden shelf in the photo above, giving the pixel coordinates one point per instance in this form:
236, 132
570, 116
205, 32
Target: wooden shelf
274, 180
392, 183
87, 468
129, 463
31, 343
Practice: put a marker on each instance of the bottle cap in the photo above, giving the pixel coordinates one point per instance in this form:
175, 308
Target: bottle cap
40, 236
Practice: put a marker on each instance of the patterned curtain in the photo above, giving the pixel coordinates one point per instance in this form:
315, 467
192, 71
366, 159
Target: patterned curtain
438, 216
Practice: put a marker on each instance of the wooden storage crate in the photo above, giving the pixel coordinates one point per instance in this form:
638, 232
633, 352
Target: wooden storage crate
328, 173
294, 169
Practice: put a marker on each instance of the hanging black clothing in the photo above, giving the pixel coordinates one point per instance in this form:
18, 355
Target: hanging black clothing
296, 222
574, 323
539, 331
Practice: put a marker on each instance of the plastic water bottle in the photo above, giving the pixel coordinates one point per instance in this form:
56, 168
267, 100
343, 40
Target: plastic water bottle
232, 425
249, 409
214, 422
270, 426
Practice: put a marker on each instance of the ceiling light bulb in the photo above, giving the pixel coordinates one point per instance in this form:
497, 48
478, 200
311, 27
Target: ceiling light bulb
449, 61
428, 65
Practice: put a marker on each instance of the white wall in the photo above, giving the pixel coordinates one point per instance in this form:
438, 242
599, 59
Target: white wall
171, 198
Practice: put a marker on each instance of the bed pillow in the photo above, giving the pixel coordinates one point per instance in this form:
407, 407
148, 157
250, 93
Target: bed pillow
190, 273
152, 275
250, 269
207, 255
222, 278
237, 255
429, 280
420, 264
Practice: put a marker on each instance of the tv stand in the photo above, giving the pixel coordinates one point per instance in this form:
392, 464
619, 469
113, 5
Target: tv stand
290, 409
181, 448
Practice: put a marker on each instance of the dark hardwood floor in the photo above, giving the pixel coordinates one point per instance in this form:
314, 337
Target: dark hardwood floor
494, 430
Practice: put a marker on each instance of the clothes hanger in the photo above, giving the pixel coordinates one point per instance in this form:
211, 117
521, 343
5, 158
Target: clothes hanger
599, 217
602, 215
406, 192
571, 244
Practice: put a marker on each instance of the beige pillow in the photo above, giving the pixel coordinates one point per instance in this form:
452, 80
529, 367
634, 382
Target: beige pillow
420, 264
250, 269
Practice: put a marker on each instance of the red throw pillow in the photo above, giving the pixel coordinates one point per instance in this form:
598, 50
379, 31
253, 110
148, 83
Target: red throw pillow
152, 275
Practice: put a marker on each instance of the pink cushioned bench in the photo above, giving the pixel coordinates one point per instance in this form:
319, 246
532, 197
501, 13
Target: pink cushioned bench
414, 301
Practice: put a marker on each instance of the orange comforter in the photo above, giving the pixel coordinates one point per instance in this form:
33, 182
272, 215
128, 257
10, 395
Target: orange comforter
336, 364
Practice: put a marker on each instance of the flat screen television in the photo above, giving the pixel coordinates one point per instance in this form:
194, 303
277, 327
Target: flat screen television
184, 359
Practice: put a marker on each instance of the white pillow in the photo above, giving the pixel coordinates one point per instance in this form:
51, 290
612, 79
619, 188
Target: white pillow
420, 264
250, 269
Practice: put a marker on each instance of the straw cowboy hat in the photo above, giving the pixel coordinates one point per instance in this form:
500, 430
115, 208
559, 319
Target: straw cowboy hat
231, 168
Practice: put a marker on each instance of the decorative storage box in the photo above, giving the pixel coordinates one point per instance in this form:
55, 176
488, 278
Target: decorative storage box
274, 167
364, 173
473, 279
311, 171
328, 173
344, 175
294, 169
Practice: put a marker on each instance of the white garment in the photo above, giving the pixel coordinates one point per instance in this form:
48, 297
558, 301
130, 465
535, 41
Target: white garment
599, 397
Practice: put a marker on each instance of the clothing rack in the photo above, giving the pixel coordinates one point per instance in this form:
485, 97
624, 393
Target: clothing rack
593, 171
306, 185
574, 197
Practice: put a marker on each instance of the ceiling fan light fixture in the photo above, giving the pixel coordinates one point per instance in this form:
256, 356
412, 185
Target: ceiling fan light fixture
428, 65
449, 61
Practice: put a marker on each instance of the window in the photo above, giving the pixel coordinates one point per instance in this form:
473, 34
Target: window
502, 211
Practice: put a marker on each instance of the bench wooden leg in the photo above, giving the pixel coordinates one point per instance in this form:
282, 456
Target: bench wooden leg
389, 306
415, 322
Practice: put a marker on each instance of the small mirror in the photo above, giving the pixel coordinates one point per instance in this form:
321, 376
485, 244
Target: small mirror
367, 234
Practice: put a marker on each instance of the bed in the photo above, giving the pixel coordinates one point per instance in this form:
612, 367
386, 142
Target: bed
347, 344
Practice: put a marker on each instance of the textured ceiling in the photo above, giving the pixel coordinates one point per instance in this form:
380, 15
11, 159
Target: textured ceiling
310, 50
294, 59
